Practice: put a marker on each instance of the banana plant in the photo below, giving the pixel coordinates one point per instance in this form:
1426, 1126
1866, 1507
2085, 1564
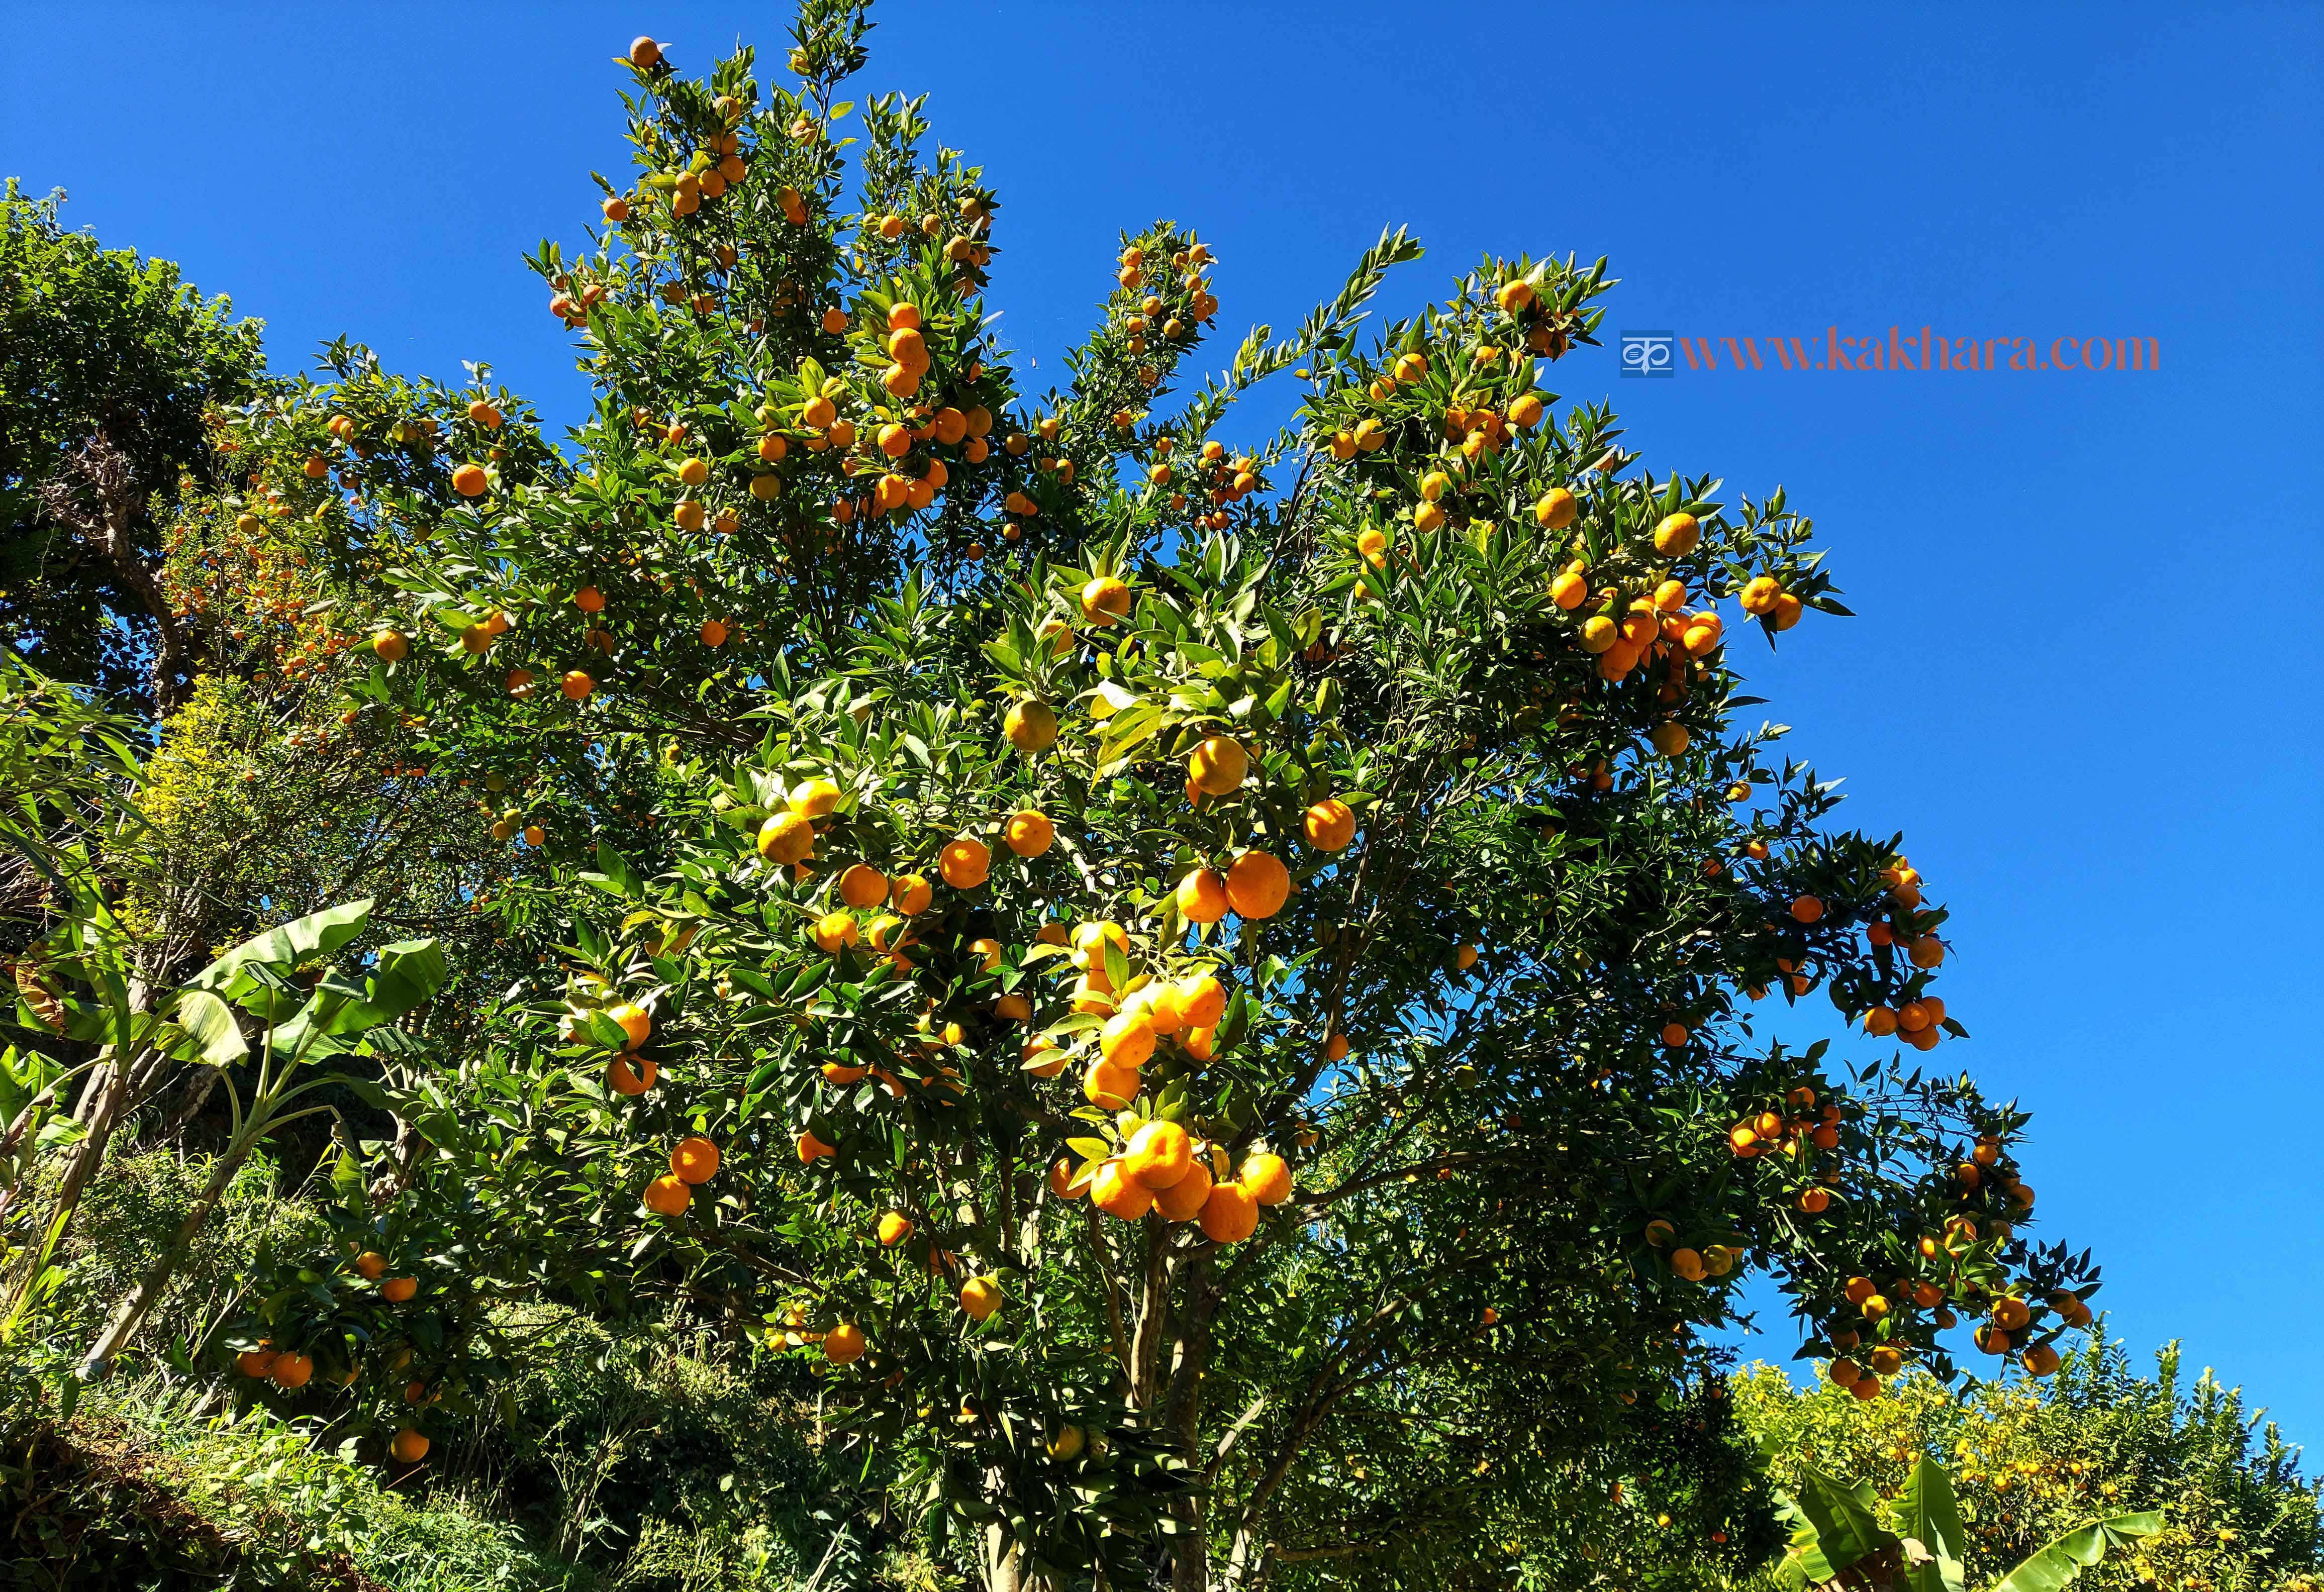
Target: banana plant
301, 1022
1844, 1539
81, 983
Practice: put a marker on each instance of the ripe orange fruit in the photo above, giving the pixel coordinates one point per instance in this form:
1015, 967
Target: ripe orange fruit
812, 1149
1330, 824
895, 1226
1104, 600
290, 1372
1464, 956
1268, 1176
1807, 908
1928, 951
1202, 1001
1108, 1087
1159, 1155
1029, 833
843, 1345
254, 1362
1030, 726
979, 1297
1687, 1264
1202, 896
622, 1080
863, 886
1117, 1194
410, 1447
1670, 738
668, 1196
1815, 1201
1258, 885
399, 1290
912, 895
1218, 765
468, 481
1676, 535
589, 600
1674, 1036
577, 685
842, 1074
392, 646
2041, 1359
966, 863
1229, 1213
370, 1265
694, 1160
1183, 1200
1127, 1040
786, 838
635, 1021
834, 932
1556, 511
1759, 595
815, 799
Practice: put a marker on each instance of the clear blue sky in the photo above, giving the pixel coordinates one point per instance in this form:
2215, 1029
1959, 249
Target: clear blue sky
2084, 681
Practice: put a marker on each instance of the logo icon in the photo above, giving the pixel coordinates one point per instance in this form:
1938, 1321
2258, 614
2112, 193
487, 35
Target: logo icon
1648, 354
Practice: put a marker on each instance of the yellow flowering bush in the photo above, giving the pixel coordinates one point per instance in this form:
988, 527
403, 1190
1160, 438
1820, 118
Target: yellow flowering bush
2034, 1459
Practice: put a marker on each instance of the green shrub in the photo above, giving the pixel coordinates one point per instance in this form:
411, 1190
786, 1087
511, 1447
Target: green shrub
2034, 1459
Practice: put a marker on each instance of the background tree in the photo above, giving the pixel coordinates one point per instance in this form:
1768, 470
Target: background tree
108, 366
1045, 799
2030, 1461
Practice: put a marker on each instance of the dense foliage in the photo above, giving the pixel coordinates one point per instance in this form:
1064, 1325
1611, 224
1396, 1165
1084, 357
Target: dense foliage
2031, 1462
1207, 1004
108, 366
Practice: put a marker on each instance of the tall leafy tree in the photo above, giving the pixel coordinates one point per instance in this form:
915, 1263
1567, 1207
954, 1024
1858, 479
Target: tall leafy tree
109, 364
1212, 988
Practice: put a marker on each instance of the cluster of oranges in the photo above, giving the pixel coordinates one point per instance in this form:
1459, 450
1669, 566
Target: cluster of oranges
1548, 329
1161, 1168
291, 1370
1791, 1131
692, 1160
968, 251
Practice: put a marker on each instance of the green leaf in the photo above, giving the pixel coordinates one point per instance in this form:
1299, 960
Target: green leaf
346, 1181
409, 972
209, 1023
617, 870
1925, 1515
2060, 1561
305, 939
1846, 1521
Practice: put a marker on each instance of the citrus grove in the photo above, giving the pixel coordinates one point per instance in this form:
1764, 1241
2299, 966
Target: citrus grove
1214, 987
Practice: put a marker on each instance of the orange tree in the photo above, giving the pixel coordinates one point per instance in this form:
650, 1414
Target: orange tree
1207, 989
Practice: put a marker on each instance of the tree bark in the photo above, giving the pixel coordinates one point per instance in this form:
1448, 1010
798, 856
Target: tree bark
108, 477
